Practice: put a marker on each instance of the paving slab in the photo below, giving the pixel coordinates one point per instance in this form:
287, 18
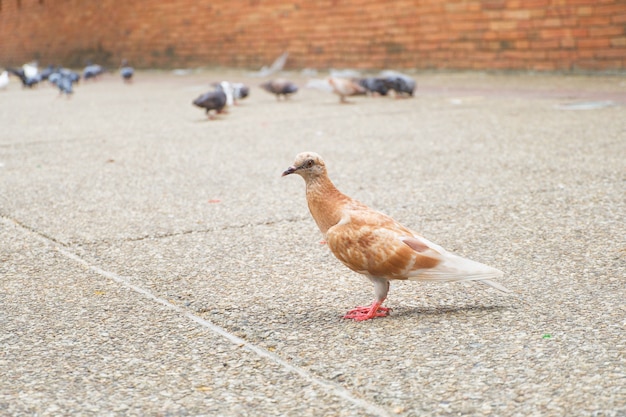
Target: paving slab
74, 341
155, 263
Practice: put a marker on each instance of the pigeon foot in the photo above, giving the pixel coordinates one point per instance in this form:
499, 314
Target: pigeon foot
362, 313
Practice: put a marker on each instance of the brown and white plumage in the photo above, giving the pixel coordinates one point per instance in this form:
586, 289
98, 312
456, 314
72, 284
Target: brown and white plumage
344, 87
374, 244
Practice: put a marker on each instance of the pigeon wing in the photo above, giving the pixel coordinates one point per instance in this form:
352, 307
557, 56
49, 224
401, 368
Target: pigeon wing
372, 243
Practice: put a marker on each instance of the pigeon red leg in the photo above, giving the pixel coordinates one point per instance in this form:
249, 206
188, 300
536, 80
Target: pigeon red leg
381, 288
367, 312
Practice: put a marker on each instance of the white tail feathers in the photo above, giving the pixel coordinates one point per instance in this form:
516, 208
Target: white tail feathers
453, 268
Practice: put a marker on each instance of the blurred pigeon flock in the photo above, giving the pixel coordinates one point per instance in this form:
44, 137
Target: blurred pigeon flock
222, 95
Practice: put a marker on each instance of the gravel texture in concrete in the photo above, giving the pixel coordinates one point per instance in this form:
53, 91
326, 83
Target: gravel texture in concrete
153, 262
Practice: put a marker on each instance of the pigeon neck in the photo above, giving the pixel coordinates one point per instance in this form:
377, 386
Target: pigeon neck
324, 201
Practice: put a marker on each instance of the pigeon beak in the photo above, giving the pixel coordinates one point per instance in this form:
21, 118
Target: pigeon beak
289, 170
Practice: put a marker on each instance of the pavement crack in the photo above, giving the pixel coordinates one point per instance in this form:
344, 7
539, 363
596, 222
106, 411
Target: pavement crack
33, 230
154, 236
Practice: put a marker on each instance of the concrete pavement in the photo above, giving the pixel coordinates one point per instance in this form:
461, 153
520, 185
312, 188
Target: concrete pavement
155, 263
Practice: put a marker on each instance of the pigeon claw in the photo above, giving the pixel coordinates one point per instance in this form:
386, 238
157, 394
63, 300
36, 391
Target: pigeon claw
363, 313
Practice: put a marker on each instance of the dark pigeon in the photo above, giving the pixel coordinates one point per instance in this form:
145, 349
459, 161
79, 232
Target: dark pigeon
400, 83
374, 85
29, 82
280, 87
213, 100
46, 72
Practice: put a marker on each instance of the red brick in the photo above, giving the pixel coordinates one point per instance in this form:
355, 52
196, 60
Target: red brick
535, 4
545, 44
537, 13
606, 31
620, 42
518, 14
502, 25
557, 33
618, 18
494, 4
527, 55
514, 4
594, 43
544, 66
595, 20
611, 53
474, 6
610, 9
551, 22
560, 55
568, 43
465, 26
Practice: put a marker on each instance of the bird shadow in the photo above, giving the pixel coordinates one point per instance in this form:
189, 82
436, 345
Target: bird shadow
207, 119
450, 311
406, 312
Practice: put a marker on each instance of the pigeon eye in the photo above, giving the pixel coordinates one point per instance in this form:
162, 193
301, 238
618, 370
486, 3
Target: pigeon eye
308, 163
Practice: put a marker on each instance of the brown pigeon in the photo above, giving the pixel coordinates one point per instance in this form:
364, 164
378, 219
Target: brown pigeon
345, 87
375, 245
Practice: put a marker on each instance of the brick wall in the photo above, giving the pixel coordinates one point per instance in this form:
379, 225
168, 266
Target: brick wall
464, 34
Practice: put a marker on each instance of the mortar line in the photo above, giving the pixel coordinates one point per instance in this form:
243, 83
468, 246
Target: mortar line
326, 385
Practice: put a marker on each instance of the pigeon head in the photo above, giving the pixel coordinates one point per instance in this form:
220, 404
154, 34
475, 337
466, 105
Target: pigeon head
307, 165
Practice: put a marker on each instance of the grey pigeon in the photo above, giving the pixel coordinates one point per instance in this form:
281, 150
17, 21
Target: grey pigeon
92, 71
65, 86
72, 75
213, 100
64, 81
400, 83
127, 72
240, 91
233, 91
280, 87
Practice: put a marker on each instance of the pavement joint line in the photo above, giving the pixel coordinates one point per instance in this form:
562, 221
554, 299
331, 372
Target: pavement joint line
326, 385
41, 142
